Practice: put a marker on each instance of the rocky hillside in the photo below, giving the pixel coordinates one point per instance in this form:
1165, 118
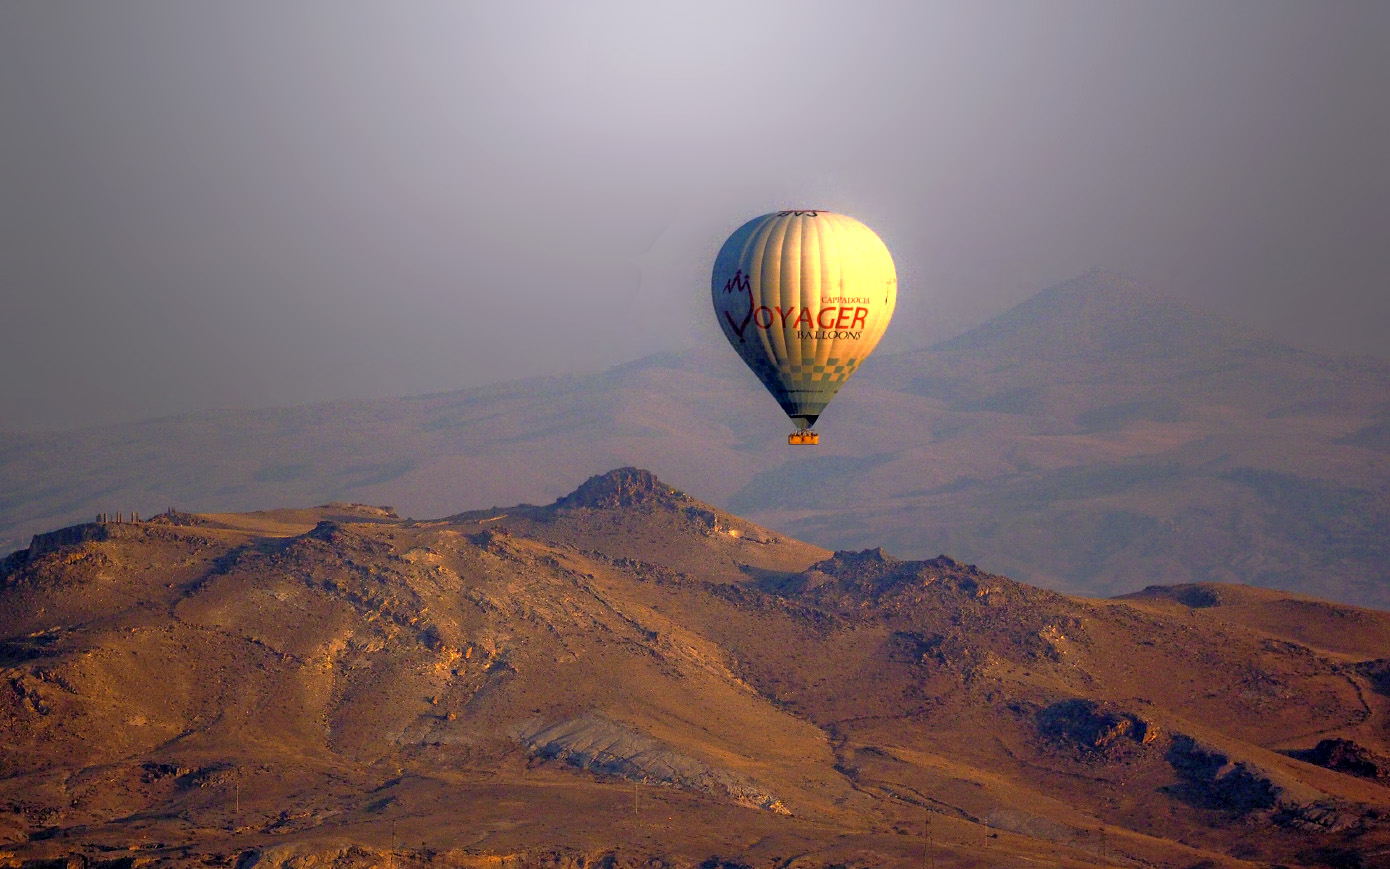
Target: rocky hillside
631, 677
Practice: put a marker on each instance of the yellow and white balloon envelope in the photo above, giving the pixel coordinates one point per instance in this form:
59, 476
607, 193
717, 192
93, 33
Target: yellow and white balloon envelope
804, 297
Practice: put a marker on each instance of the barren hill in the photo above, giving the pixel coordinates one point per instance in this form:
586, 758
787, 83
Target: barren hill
631, 677
1095, 439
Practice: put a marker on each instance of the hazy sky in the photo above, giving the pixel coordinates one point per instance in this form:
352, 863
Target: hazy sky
252, 203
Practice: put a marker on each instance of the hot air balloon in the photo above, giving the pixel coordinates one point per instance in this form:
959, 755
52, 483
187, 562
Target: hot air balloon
804, 296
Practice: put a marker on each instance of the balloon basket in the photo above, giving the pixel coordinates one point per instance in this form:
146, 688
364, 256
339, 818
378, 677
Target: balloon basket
803, 438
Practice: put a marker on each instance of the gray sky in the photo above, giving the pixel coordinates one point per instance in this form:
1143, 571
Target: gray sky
253, 203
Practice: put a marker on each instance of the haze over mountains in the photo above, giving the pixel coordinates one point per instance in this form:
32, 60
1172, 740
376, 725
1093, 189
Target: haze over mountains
1097, 439
629, 677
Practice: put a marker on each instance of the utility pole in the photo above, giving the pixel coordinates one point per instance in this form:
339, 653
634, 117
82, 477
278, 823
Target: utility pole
928, 858
926, 839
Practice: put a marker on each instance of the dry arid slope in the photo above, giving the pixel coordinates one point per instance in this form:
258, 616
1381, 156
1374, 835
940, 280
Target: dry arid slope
630, 677
1095, 439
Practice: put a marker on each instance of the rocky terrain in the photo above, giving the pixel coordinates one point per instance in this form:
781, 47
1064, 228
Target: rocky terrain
1096, 439
631, 677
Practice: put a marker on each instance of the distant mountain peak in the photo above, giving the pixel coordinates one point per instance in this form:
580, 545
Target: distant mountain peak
1095, 313
622, 487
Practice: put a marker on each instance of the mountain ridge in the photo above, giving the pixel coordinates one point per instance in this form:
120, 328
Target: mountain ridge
1214, 457
1100, 312
629, 676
